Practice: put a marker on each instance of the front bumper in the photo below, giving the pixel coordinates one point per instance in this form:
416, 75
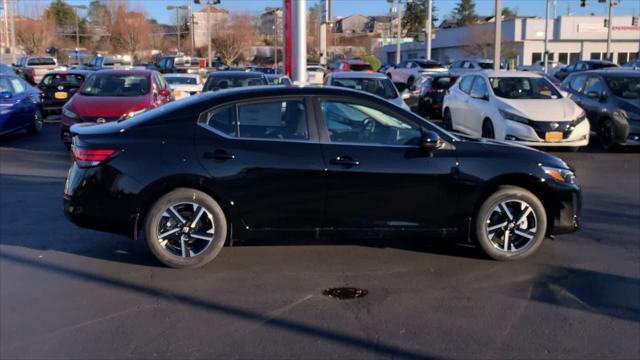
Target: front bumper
533, 135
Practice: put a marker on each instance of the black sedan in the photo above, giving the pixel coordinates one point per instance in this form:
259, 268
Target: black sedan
308, 159
221, 80
57, 87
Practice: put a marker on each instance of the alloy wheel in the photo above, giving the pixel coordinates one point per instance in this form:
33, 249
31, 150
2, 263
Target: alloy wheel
511, 226
186, 229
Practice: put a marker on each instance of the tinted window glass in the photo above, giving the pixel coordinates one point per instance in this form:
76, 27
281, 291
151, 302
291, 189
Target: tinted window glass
360, 67
381, 87
284, 120
523, 88
624, 87
18, 86
577, 82
444, 82
62, 79
594, 84
4, 85
220, 83
465, 83
116, 85
356, 123
223, 120
181, 80
479, 88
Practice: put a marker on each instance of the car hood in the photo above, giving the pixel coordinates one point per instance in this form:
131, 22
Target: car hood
107, 106
563, 109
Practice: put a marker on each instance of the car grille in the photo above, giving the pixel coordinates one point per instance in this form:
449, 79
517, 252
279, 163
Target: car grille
542, 127
95, 119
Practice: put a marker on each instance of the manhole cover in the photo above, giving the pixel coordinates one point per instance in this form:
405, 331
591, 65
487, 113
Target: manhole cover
345, 293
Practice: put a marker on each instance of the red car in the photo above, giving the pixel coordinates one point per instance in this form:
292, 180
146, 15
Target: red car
110, 95
349, 65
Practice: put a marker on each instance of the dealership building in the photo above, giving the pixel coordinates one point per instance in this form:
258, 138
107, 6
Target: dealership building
571, 38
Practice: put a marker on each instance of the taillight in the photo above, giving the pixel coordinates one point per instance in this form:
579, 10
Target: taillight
91, 157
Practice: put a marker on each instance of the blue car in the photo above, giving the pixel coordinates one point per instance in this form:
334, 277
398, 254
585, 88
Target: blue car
20, 106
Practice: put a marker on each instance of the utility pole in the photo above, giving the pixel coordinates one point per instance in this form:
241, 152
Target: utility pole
5, 26
427, 28
325, 17
77, 7
399, 32
177, 9
191, 28
299, 12
498, 36
545, 54
609, 26
209, 35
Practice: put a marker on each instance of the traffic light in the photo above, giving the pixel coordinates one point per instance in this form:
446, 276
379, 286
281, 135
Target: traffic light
583, 3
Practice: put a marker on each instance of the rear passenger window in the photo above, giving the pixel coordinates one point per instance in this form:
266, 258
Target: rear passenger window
222, 120
577, 82
274, 120
465, 83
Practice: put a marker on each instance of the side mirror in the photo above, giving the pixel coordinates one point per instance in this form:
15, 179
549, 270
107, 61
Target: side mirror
6, 95
431, 141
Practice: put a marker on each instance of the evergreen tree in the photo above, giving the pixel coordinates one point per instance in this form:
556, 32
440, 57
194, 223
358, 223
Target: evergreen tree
509, 13
414, 17
465, 13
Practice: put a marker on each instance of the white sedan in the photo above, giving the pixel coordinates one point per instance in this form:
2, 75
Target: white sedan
516, 106
184, 85
373, 83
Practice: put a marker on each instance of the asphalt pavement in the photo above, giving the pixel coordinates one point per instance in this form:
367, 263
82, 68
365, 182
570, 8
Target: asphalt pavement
67, 292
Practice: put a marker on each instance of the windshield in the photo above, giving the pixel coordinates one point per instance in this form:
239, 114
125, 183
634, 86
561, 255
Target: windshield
4, 85
381, 87
624, 87
181, 80
216, 83
602, 65
429, 65
360, 67
523, 88
486, 65
116, 85
52, 80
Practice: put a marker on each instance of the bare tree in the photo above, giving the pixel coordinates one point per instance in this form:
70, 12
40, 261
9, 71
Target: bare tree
130, 31
35, 35
481, 39
233, 37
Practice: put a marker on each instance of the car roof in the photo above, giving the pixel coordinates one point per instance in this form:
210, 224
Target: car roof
236, 73
246, 93
126, 72
72, 72
181, 75
358, 75
598, 62
612, 71
505, 73
354, 62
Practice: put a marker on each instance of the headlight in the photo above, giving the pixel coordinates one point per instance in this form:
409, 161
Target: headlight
131, 114
513, 117
68, 113
581, 118
562, 175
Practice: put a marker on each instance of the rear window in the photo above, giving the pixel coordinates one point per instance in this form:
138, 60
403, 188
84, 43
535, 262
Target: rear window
53, 80
429, 65
221, 83
602, 66
41, 61
443, 82
181, 80
361, 67
116, 85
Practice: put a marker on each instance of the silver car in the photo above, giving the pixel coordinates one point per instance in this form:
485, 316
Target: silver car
371, 82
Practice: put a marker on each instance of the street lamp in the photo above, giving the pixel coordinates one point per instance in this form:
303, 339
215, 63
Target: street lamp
78, 7
177, 9
275, 11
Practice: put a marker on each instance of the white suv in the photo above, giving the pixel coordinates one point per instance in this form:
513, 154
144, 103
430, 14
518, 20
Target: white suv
522, 107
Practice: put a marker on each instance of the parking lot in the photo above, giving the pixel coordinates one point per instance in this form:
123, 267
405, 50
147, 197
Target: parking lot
67, 292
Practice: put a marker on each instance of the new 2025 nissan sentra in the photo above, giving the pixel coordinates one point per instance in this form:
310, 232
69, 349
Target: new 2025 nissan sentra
243, 161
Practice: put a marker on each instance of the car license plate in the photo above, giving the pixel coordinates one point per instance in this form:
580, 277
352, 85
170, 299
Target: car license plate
177, 93
61, 95
553, 136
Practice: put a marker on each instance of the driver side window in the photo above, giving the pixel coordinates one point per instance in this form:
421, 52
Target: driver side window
356, 123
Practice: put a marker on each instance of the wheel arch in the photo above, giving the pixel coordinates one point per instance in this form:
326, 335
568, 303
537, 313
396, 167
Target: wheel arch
150, 194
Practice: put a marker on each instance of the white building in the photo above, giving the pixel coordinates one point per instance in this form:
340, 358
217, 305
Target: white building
211, 14
571, 38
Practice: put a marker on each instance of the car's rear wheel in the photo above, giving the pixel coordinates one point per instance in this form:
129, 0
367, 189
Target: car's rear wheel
510, 224
185, 228
447, 123
38, 122
606, 134
410, 82
487, 129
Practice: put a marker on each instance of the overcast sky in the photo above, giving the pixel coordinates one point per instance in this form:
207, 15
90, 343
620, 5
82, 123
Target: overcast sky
157, 8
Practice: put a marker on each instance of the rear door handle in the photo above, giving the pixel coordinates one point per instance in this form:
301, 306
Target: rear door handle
344, 161
219, 155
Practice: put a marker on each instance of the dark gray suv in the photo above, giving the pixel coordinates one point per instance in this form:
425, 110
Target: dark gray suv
611, 99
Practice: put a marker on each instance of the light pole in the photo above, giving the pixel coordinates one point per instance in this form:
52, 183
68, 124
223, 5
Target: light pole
498, 36
78, 7
545, 54
428, 29
609, 54
399, 32
177, 9
275, 11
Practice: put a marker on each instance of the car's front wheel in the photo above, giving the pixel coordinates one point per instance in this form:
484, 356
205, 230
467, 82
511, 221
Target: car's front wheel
185, 228
38, 122
447, 122
510, 224
606, 134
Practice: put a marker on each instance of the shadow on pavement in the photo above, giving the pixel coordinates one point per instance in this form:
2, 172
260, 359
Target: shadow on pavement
239, 313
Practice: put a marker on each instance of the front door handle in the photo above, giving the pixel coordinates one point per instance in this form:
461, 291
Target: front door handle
219, 155
344, 161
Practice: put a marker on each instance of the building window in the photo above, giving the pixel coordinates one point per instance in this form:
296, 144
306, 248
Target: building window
563, 58
595, 56
623, 58
633, 56
550, 56
412, 56
535, 57
573, 57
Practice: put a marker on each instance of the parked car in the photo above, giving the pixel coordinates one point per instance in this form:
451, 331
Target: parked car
428, 94
184, 85
315, 74
538, 67
350, 65
7, 70
111, 95
373, 83
57, 87
233, 79
517, 106
278, 79
262, 69
178, 65
583, 65
35, 67
633, 65
461, 67
611, 99
407, 72
20, 106
317, 160
102, 62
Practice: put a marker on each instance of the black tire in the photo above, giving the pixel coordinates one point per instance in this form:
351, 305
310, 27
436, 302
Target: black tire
447, 123
510, 194
571, 149
38, 123
487, 129
606, 135
157, 215
410, 82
